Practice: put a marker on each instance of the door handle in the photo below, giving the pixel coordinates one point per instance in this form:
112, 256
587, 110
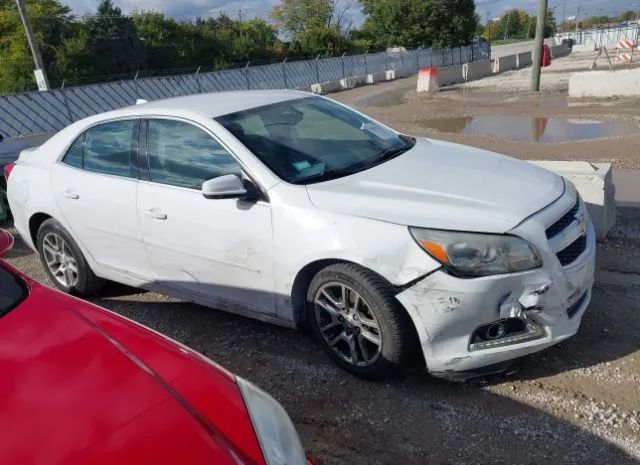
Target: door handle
70, 194
155, 213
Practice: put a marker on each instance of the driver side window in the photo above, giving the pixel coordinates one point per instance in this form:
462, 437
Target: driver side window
183, 155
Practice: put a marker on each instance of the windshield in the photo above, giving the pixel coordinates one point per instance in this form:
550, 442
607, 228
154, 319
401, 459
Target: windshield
12, 291
313, 139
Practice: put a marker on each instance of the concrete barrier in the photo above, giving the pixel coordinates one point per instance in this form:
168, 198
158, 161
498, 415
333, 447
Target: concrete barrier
476, 70
373, 78
450, 75
352, 81
560, 51
325, 87
595, 184
506, 63
390, 74
619, 83
524, 59
590, 47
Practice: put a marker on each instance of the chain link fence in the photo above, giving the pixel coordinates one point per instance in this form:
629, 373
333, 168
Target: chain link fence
50, 111
601, 37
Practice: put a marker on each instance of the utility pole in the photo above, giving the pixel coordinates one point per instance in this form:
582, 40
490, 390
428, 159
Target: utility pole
529, 26
578, 20
537, 48
40, 73
564, 17
506, 29
489, 25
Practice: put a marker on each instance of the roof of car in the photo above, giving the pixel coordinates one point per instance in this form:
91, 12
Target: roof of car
216, 104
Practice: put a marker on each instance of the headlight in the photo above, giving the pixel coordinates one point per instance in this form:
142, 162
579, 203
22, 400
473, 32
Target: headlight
473, 255
277, 436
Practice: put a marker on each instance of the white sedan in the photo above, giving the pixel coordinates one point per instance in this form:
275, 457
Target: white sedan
295, 209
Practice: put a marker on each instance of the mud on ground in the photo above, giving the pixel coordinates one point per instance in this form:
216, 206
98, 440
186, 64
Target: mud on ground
398, 105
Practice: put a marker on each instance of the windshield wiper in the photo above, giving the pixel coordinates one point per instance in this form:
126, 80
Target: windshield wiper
325, 176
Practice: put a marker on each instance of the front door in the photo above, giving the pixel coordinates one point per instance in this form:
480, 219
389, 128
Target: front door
217, 249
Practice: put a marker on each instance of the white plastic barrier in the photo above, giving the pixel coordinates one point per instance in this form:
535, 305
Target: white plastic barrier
524, 59
595, 184
619, 83
325, 87
377, 77
450, 75
390, 74
428, 80
476, 70
352, 81
506, 63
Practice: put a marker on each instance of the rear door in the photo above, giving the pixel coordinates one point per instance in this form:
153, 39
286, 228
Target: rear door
95, 188
217, 249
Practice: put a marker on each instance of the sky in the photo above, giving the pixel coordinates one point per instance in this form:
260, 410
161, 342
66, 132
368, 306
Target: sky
189, 9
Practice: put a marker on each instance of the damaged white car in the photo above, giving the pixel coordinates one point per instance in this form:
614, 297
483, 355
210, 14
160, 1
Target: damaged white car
295, 209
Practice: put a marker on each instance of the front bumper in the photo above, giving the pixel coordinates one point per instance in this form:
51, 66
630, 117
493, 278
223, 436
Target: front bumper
447, 310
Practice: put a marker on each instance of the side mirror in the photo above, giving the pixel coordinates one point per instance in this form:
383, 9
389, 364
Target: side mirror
229, 186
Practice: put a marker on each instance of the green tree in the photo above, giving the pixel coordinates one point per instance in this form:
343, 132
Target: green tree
414, 23
113, 41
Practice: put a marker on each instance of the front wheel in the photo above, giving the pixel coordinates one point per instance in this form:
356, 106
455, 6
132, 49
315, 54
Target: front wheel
64, 262
359, 322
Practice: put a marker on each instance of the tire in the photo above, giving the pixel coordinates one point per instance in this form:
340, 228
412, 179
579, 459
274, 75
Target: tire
376, 304
83, 281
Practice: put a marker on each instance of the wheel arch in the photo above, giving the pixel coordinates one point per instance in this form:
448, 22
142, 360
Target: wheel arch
35, 221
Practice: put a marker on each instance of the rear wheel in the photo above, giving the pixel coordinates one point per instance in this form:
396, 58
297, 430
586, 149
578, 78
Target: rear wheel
63, 261
359, 322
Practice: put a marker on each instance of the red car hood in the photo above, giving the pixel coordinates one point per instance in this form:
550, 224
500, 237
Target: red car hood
79, 385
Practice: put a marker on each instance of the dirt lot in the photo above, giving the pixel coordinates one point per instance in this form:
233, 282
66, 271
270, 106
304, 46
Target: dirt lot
576, 403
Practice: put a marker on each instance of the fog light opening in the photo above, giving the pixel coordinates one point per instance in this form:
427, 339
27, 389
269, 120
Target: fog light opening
495, 331
505, 332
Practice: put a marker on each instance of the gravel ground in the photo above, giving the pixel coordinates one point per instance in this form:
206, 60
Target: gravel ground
576, 403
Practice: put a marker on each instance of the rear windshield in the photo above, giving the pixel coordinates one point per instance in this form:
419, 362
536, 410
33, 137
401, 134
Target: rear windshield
12, 291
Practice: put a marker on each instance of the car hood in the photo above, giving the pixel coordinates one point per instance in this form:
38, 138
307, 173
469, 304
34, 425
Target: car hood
443, 185
72, 394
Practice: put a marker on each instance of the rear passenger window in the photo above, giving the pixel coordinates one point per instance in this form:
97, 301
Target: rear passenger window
104, 149
183, 155
74, 154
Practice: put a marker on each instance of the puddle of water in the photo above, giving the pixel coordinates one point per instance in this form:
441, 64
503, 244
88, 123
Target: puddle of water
528, 129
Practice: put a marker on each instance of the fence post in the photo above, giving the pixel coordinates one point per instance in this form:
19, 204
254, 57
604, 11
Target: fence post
317, 72
417, 52
366, 67
386, 60
66, 104
284, 73
342, 63
246, 75
472, 52
135, 84
198, 79
460, 49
